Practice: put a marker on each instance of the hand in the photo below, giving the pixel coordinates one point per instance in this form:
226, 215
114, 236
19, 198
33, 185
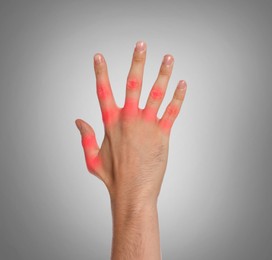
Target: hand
133, 156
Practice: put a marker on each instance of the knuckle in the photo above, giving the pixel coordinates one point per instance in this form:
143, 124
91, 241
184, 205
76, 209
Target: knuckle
109, 116
89, 141
102, 91
172, 111
130, 109
156, 93
164, 71
166, 125
133, 83
138, 58
93, 163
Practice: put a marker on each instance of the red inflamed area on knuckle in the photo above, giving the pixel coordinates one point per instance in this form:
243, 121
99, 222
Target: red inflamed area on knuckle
109, 115
93, 163
150, 114
130, 107
172, 111
103, 91
166, 125
133, 84
88, 141
156, 93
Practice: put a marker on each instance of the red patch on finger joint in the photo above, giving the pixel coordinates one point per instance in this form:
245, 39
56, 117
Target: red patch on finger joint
89, 141
156, 93
130, 107
166, 125
172, 111
109, 115
103, 91
93, 163
133, 84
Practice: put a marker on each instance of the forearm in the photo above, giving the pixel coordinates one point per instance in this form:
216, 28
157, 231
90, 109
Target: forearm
135, 232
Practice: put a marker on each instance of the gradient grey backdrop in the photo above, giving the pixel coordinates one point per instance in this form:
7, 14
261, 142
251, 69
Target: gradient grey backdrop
216, 199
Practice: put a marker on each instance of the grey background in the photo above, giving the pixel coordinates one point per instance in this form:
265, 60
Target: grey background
216, 199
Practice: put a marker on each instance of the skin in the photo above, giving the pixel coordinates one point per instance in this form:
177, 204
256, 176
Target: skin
133, 156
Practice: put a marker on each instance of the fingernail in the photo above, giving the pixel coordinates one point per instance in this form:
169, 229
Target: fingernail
98, 59
140, 46
78, 125
168, 60
182, 84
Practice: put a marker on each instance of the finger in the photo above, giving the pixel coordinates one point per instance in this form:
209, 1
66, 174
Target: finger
135, 77
173, 108
157, 92
89, 145
104, 91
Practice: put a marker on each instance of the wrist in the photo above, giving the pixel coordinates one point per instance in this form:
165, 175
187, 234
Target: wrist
128, 208
132, 203
135, 197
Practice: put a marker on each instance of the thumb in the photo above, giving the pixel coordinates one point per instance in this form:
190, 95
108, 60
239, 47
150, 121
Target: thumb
89, 144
